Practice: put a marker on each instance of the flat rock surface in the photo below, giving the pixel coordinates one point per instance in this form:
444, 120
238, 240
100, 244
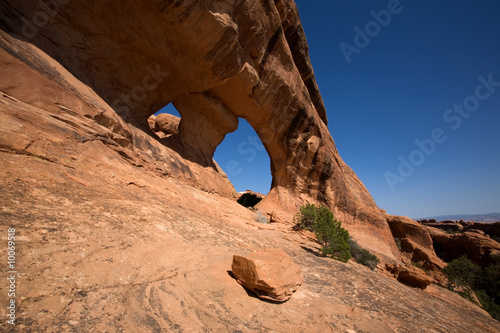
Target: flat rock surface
125, 250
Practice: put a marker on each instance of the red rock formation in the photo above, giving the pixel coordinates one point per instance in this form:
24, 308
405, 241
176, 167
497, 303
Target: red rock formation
167, 124
491, 229
215, 61
444, 225
118, 231
476, 246
249, 198
417, 246
409, 275
404, 227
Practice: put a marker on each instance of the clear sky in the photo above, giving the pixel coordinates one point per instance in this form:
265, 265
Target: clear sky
412, 91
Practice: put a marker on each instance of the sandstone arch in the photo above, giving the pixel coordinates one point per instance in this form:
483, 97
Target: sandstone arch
216, 61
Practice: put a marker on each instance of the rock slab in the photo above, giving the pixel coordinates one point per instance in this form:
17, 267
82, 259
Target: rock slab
270, 273
410, 276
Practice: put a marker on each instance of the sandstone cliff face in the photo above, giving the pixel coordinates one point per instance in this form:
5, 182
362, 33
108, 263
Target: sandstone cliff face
216, 61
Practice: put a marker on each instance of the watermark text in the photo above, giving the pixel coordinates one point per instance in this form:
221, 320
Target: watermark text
11, 276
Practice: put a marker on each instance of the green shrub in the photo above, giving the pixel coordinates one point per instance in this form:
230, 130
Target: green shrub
488, 285
306, 217
488, 304
418, 265
484, 282
462, 272
334, 238
329, 232
363, 256
490, 279
398, 243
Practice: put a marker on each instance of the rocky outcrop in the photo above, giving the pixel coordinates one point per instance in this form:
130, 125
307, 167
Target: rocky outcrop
107, 246
404, 227
417, 246
491, 229
476, 246
119, 231
216, 62
443, 225
269, 273
414, 254
409, 275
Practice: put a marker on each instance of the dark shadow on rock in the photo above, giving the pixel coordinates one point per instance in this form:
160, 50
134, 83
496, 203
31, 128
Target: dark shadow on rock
249, 199
312, 251
253, 294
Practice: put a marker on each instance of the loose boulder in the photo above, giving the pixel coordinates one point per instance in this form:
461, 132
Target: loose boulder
270, 273
410, 275
167, 123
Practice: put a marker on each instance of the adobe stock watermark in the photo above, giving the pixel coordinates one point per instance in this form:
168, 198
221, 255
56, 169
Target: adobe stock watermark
42, 17
373, 28
248, 148
11, 276
454, 118
252, 145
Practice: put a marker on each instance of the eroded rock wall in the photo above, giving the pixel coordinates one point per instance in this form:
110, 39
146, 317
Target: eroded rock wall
215, 61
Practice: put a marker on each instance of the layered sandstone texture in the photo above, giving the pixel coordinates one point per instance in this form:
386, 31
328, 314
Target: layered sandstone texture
105, 246
216, 61
119, 229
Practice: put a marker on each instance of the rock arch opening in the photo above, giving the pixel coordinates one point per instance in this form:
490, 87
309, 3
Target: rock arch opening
237, 150
165, 122
245, 161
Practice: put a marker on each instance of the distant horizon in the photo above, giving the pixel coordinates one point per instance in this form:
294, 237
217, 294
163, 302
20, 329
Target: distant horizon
457, 216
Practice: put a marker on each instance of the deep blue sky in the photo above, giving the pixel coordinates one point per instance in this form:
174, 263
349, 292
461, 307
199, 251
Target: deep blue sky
397, 89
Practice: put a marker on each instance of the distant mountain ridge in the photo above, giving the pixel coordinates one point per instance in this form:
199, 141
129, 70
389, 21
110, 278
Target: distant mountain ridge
491, 217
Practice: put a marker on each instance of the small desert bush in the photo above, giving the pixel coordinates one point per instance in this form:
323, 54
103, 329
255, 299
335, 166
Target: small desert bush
398, 242
363, 256
466, 277
329, 232
462, 272
418, 265
308, 215
488, 304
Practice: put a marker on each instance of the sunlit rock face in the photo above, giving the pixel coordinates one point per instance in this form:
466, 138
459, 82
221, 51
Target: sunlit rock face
115, 64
